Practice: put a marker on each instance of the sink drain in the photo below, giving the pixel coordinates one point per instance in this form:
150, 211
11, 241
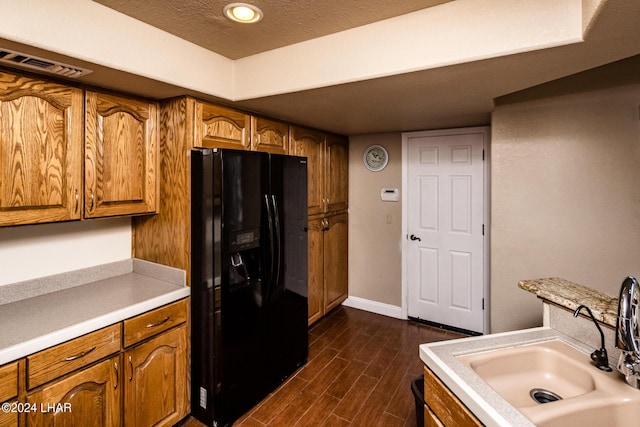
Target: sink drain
541, 395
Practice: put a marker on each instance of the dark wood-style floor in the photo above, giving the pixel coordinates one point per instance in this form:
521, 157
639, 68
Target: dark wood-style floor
359, 373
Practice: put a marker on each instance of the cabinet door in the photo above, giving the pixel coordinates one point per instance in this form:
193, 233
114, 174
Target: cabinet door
40, 151
8, 381
8, 390
336, 278
90, 397
269, 135
155, 387
315, 242
220, 127
337, 173
121, 156
8, 419
310, 144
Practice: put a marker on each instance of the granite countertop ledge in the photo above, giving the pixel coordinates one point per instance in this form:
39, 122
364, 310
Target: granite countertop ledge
571, 295
40, 313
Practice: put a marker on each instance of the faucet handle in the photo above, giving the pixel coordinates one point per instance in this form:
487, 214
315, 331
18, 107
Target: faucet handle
629, 366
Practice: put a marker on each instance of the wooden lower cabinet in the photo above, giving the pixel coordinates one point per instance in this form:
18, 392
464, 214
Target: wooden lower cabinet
442, 407
328, 264
336, 251
89, 397
9, 389
315, 278
155, 385
8, 419
141, 383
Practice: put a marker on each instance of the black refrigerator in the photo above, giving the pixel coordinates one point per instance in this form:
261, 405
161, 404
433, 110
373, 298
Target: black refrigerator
248, 278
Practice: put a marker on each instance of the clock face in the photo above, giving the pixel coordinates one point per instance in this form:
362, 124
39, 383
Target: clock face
375, 158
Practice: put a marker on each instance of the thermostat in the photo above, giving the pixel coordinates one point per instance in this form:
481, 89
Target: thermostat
389, 194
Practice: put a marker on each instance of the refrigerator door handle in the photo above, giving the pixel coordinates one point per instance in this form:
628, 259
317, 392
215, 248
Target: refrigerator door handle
276, 216
271, 240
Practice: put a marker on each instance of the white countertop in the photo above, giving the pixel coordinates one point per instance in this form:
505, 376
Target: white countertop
38, 322
485, 403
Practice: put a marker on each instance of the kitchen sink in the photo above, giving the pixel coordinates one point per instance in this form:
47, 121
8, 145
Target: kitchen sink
551, 366
554, 384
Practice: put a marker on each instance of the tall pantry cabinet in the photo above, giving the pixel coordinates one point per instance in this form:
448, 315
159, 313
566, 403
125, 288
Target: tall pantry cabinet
328, 162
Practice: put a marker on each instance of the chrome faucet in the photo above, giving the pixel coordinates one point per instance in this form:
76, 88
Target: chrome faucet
627, 333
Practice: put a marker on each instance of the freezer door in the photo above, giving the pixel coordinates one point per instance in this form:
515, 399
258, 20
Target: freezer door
288, 298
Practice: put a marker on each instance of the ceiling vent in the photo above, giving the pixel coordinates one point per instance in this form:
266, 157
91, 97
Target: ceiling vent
18, 59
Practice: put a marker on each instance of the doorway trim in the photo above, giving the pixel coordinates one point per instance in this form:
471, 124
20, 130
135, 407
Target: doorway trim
486, 211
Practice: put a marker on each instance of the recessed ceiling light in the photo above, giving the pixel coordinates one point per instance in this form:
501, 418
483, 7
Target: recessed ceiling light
243, 12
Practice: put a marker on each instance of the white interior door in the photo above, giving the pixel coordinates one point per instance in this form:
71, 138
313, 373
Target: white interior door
445, 224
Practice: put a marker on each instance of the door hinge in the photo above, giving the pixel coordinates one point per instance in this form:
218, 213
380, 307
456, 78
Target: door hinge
483, 155
483, 229
483, 303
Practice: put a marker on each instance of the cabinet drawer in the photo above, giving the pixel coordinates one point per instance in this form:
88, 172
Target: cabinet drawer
71, 355
153, 322
430, 419
446, 407
8, 381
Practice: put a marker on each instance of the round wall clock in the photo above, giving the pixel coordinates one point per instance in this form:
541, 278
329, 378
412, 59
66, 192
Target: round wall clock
375, 158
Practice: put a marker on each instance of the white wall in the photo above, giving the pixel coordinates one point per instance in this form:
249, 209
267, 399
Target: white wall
375, 256
565, 192
32, 251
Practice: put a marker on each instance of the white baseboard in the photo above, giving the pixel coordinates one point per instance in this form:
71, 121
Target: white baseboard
374, 307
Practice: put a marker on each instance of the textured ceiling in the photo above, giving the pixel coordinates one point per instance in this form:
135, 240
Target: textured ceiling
284, 23
433, 95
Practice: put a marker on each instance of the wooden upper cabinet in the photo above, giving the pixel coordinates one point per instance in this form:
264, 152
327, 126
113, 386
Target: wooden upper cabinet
40, 151
221, 127
269, 135
121, 156
337, 173
310, 143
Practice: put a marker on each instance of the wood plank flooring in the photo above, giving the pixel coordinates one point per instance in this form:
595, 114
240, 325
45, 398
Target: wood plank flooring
359, 373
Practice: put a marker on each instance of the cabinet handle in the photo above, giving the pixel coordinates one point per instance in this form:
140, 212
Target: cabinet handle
115, 367
162, 322
75, 210
131, 367
79, 355
91, 200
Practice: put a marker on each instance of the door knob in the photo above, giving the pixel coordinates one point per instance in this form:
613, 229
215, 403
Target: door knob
413, 237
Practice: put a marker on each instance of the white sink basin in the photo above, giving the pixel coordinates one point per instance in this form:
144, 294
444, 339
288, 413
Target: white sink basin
588, 396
